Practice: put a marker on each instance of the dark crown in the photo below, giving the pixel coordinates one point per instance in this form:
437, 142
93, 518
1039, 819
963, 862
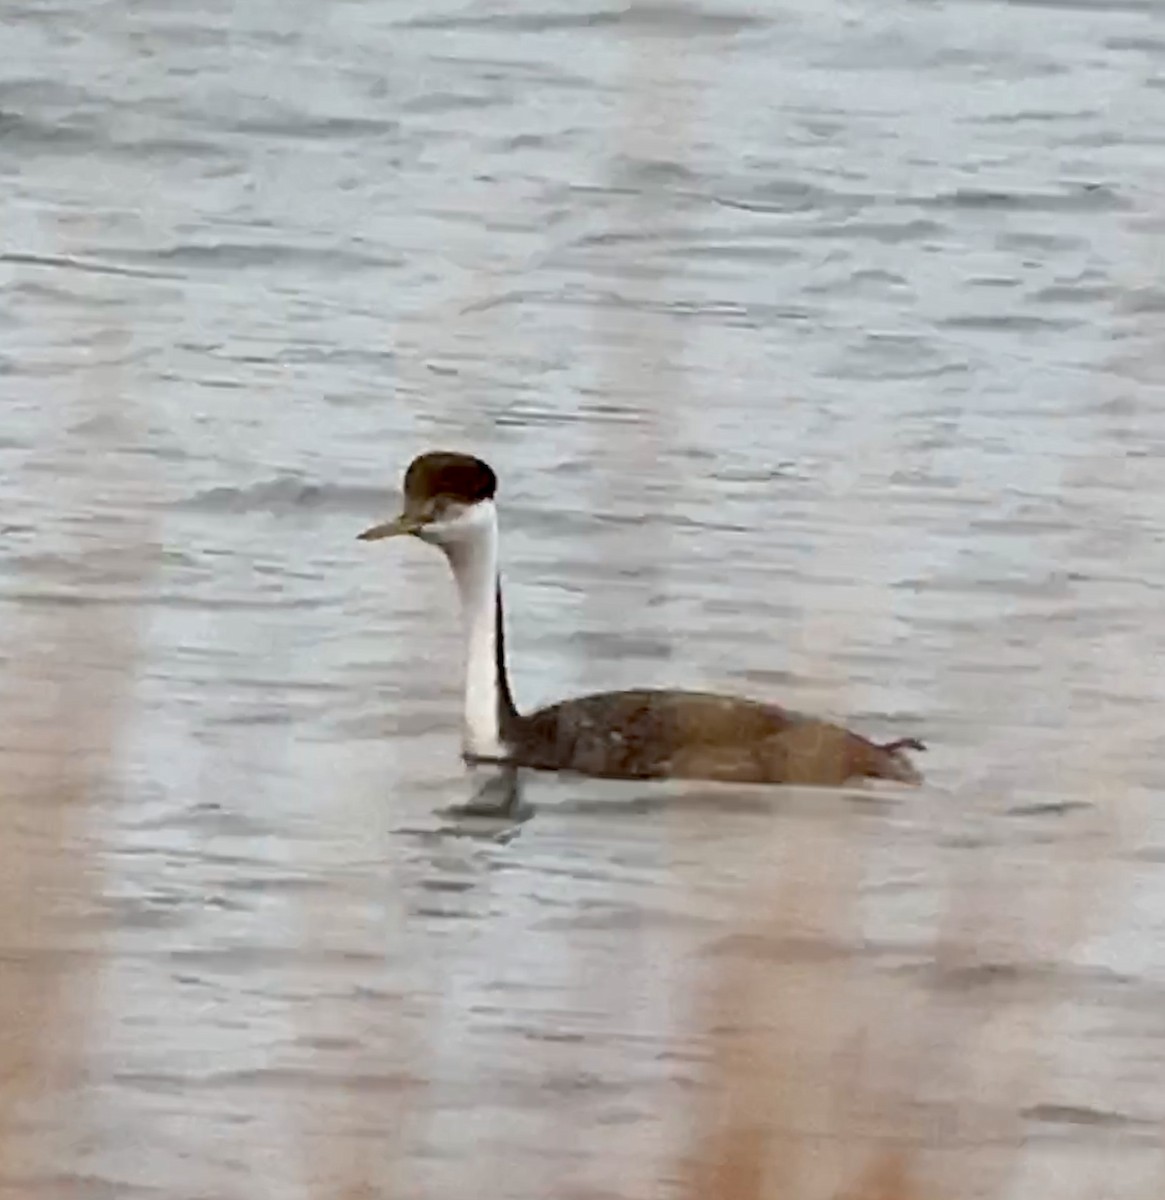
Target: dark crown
456, 476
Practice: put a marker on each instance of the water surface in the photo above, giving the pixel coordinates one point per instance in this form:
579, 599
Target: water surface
818, 349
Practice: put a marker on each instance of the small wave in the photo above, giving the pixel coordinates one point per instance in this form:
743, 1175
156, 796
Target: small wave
47, 598
286, 493
1139, 45
1104, 6
1143, 300
170, 149
438, 103
725, 251
234, 255
303, 126
1008, 323
1073, 293
665, 19
69, 263
1084, 197
887, 233
1041, 116
20, 130
1082, 1114
1029, 241
793, 197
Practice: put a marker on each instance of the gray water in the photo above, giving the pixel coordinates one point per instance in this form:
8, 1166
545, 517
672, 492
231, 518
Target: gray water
818, 348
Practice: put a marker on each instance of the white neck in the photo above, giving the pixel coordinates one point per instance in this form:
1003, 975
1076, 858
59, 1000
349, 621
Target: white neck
473, 555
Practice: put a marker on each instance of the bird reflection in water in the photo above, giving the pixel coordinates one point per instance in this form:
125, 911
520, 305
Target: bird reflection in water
495, 810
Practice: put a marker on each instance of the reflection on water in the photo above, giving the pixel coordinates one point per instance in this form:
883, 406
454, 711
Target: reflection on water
495, 808
817, 348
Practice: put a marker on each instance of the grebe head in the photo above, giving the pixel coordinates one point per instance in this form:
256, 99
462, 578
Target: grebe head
448, 501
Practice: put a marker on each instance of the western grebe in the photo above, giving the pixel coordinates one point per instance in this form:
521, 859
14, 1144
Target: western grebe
449, 502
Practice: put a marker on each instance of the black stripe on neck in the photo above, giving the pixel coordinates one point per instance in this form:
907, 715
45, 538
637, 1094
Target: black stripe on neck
508, 717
